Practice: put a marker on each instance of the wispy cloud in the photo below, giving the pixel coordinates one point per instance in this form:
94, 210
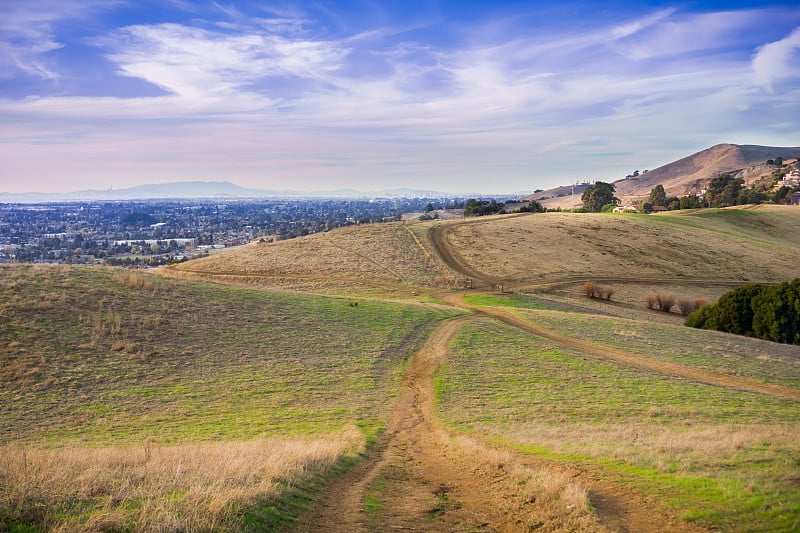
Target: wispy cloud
779, 60
280, 94
27, 33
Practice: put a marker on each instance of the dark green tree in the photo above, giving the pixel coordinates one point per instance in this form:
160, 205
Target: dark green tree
723, 191
595, 196
690, 202
658, 196
479, 208
533, 207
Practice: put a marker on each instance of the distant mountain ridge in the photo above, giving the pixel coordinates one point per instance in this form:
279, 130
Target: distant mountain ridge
688, 175
205, 190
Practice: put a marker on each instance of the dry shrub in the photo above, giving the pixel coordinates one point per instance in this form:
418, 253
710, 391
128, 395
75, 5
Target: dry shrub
662, 301
595, 290
189, 487
689, 305
606, 292
590, 289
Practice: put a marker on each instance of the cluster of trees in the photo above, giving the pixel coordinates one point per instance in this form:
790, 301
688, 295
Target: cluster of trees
762, 311
479, 208
596, 196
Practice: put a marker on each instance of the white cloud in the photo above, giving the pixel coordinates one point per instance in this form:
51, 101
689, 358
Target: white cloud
254, 97
203, 65
779, 60
27, 32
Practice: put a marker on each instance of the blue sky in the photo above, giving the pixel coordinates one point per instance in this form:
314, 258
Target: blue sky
489, 97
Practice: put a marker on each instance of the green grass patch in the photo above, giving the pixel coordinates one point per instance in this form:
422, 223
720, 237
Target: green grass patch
100, 357
721, 457
759, 360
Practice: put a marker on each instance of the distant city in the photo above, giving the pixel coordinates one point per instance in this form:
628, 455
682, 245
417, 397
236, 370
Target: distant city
147, 233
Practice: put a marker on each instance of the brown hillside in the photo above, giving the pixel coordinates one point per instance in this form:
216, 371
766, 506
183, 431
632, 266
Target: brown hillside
688, 175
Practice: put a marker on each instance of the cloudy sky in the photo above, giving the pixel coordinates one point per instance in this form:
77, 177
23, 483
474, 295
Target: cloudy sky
456, 96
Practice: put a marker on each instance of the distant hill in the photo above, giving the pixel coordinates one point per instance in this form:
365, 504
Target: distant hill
207, 189
684, 176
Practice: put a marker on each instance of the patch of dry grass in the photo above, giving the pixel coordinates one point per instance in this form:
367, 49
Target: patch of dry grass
551, 246
190, 487
544, 498
354, 259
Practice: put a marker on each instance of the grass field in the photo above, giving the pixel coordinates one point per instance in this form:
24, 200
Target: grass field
724, 458
698, 245
378, 258
102, 359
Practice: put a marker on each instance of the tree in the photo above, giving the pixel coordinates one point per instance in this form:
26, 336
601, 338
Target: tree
478, 208
723, 191
763, 311
595, 196
658, 196
690, 202
532, 207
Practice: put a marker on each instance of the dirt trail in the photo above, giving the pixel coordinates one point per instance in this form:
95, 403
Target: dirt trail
421, 488
423, 484
666, 367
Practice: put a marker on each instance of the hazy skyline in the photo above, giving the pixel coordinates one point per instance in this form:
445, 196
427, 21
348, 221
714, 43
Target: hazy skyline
451, 96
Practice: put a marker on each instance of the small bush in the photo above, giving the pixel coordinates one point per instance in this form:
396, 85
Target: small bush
690, 305
686, 306
606, 292
593, 290
590, 288
662, 301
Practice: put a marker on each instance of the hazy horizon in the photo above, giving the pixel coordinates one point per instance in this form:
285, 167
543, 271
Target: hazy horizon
449, 96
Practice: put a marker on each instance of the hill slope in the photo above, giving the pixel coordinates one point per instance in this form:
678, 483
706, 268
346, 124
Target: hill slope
524, 251
687, 175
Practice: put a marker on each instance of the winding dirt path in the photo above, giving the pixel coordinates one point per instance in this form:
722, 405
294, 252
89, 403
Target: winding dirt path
419, 482
421, 488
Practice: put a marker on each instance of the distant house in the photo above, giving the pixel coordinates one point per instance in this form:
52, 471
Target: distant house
625, 209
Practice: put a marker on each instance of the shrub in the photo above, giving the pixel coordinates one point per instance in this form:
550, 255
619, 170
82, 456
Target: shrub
662, 301
593, 290
606, 292
665, 301
590, 288
766, 312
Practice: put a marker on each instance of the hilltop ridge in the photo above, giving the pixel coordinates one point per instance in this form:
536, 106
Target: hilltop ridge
687, 175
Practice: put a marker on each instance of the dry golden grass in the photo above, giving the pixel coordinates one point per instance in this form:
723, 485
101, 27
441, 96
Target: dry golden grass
358, 258
556, 246
191, 487
692, 449
540, 492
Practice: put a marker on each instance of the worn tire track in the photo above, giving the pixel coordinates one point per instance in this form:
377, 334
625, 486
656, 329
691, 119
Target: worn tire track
649, 363
412, 442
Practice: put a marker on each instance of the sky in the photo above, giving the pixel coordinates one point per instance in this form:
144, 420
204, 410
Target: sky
453, 96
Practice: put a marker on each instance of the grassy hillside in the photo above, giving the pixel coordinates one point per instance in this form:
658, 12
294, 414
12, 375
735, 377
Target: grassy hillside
376, 258
723, 458
734, 245
121, 367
